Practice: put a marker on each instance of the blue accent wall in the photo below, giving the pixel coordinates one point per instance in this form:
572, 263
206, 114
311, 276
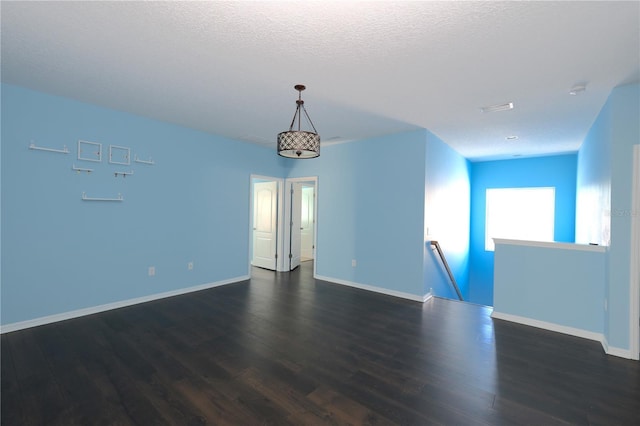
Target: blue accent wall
557, 171
62, 254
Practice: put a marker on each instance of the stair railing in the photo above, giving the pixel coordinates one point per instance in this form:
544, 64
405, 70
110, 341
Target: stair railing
446, 266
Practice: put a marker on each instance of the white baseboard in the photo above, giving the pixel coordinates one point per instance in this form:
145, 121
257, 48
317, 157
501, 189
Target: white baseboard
375, 289
619, 352
578, 332
8, 328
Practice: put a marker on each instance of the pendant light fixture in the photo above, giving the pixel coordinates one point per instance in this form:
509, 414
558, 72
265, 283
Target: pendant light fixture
299, 143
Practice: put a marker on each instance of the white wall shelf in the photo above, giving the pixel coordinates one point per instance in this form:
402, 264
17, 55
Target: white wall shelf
149, 161
64, 150
85, 198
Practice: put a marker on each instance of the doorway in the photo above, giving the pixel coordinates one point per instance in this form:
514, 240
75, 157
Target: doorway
300, 215
307, 223
283, 224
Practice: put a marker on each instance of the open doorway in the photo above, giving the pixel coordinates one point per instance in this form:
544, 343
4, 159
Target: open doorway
283, 224
300, 216
300, 219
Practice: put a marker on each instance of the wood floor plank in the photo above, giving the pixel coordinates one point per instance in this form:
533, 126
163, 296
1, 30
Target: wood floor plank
284, 348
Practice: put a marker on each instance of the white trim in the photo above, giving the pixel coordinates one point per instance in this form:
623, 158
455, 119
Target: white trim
375, 289
550, 244
634, 285
8, 328
619, 352
287, 216
578, 332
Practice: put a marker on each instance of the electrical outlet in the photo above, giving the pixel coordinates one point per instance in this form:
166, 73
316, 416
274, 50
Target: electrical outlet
353, 263
190, 266
606, 305
152, 271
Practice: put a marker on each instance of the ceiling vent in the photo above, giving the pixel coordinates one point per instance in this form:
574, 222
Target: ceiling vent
496, 108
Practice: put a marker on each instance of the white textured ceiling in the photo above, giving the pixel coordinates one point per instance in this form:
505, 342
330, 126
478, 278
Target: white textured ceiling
371, 68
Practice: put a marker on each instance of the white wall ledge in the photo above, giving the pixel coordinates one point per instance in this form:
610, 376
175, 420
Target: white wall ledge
551, 244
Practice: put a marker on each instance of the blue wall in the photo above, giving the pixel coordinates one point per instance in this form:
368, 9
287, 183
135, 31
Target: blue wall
625, 133
604, 211
62, 254
371, 209
557, 171
555, 284
376, 198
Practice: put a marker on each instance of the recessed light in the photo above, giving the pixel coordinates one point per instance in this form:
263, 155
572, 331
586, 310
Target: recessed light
511, 138
496, 108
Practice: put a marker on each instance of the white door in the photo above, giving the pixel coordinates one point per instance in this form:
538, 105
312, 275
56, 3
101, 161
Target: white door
306, 223
265, 214
296, 219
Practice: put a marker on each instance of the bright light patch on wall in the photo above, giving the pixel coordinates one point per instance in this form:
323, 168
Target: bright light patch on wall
519, 214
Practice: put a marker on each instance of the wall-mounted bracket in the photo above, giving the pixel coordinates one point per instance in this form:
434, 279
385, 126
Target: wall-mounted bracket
81, 169
123, 174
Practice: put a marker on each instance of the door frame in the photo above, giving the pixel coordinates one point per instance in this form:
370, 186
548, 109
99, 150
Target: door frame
313, 181
634, 293
279, 219
304, 187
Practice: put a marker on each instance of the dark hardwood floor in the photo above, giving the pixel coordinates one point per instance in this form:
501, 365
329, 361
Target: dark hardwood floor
285, 349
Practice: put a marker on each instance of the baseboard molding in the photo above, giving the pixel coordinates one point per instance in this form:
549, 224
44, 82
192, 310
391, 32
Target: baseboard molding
375, 289
619, 352
578, 332
8, 328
